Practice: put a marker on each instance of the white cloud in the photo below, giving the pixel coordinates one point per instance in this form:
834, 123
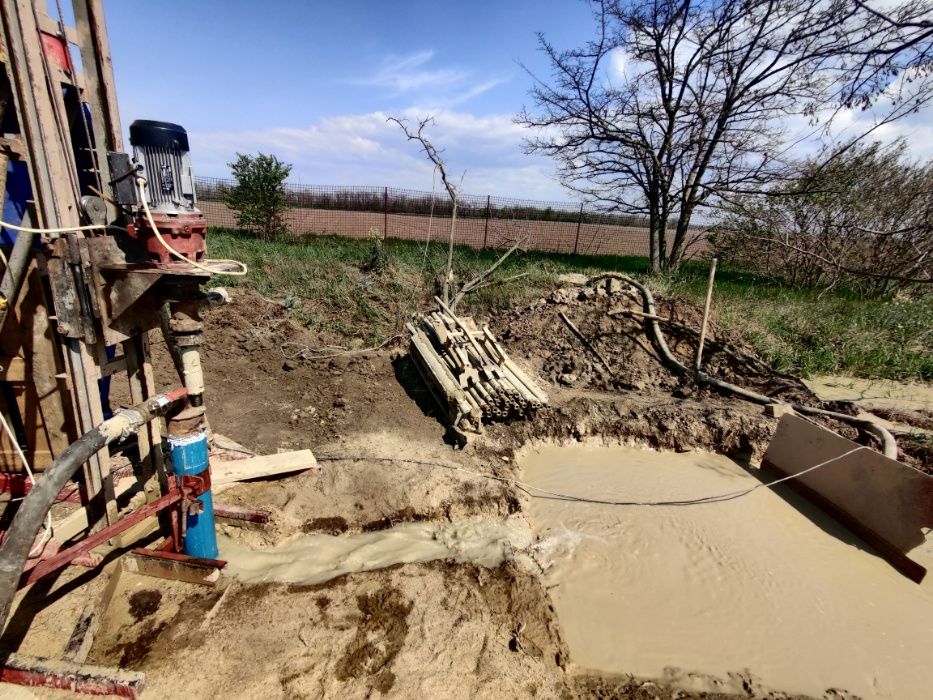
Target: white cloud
406, 73
413, 74
841, 125
363, 149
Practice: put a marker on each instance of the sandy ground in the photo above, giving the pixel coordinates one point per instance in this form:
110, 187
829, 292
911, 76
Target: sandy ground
430, 629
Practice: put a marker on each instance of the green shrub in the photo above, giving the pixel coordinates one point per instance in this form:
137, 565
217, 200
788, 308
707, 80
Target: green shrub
258, 198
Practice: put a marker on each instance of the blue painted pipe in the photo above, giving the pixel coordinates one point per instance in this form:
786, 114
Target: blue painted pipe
188, 456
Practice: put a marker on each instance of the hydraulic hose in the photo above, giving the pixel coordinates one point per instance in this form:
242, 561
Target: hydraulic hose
889, 444
31, 513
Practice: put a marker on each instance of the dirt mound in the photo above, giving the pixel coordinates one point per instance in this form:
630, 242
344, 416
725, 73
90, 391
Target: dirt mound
539, 334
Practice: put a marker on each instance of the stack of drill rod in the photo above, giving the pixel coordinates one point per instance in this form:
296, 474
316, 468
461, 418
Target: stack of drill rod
468, 372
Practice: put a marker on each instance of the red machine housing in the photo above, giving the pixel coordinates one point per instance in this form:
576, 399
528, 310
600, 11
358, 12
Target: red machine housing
184, 232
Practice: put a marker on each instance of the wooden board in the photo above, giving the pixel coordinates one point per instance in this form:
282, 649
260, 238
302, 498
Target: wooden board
888, 504
226, 473
33, 370
203, 572
82, 637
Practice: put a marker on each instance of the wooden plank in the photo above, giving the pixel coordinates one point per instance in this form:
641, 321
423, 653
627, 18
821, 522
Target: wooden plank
77, 522
226, 473
142, 387
205, 572
84, 375
12, 369
29, 349
888, 504
91, 29
36, 672
82, 637
51, 164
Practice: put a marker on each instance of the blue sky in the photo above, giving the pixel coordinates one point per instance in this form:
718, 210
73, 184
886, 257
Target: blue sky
313, 83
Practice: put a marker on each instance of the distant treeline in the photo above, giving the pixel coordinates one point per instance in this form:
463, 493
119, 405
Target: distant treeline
398, 201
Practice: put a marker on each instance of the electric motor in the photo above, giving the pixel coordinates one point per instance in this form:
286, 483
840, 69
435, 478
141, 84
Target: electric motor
161, 149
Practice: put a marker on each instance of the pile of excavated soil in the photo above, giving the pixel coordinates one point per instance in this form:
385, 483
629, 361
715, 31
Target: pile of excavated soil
626, 391
536, 332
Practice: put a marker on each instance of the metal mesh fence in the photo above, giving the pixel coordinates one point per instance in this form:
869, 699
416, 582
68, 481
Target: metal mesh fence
482, 221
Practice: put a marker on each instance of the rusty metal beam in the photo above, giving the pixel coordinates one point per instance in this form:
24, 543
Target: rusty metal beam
62, 558
80, 678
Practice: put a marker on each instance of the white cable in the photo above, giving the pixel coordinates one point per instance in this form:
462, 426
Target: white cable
536, 492
155, 229
65, 229
48, 516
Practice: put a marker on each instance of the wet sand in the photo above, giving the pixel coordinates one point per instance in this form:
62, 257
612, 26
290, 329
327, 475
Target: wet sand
882, 393
764, 585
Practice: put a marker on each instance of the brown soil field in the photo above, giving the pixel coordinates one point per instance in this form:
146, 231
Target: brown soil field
437, 629
546, 236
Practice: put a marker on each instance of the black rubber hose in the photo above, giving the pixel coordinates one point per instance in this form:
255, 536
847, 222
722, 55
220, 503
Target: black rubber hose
22, 533
889, 444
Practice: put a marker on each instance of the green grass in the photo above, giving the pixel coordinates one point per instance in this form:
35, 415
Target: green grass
806, 332
321, 280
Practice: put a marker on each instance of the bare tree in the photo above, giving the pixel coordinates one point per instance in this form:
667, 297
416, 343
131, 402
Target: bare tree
864, 219
697, 111
453, 192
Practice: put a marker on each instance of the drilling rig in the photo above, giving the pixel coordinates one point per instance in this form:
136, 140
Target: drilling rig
100, 247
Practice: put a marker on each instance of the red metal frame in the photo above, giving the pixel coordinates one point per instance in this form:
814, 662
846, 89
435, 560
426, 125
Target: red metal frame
17, 485
90, 680
184, 232
182, 491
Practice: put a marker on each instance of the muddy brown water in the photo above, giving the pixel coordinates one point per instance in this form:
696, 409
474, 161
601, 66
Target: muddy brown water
763, 585
764, 588
316, 558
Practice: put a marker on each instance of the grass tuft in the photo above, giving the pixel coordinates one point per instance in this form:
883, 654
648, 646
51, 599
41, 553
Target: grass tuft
323, 282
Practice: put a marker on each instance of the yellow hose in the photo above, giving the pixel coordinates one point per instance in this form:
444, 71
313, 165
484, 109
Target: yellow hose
155, 229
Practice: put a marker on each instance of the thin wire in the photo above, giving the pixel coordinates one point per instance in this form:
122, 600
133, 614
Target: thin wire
48, 516
340, 351
536, 492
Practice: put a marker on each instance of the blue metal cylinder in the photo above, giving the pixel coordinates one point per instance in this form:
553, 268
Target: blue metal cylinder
188, 456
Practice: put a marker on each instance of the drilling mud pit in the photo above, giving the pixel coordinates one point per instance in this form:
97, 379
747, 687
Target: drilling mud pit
379, 574
762, 590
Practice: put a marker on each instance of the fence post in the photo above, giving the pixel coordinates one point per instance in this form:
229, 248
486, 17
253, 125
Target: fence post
385, 214
576, 242
486, 229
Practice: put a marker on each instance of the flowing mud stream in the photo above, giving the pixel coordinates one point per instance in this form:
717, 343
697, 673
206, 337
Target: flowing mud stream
316, 558
763, 587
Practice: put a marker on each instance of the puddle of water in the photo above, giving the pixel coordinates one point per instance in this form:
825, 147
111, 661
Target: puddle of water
750, 585
316, 558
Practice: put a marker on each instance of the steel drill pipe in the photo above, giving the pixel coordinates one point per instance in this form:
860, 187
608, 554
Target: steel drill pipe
22, 533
